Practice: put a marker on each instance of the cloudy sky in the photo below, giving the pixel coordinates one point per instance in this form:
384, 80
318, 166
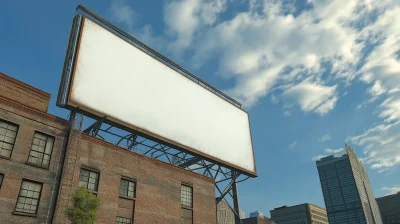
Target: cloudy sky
313, 75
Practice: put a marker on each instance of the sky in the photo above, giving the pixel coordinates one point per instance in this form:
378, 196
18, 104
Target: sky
313, 75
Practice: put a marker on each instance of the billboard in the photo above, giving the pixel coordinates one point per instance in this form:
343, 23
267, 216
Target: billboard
107, 76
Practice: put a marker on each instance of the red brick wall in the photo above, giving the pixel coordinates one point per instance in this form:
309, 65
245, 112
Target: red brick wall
15, 169
157, 190
22, 93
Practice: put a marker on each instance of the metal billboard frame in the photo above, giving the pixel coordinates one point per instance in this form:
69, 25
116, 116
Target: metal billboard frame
67, 81
111, 131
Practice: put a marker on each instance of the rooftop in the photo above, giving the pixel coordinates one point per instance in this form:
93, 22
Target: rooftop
285, 206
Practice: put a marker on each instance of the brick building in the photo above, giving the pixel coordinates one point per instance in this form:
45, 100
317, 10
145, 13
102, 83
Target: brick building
156, 186
37, 183
31, 149
303, 213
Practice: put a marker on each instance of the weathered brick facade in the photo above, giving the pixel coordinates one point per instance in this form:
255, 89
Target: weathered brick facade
29, 117
158, 184
23, 93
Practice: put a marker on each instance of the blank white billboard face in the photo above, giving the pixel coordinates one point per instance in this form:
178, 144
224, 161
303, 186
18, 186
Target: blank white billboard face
113, 78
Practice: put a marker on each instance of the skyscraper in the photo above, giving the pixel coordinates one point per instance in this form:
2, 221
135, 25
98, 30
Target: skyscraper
347, 191
389, 207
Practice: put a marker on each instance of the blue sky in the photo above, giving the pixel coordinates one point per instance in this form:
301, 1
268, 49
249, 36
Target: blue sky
313, 75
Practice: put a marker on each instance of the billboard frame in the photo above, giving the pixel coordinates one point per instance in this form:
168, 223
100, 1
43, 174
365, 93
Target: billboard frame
64, 99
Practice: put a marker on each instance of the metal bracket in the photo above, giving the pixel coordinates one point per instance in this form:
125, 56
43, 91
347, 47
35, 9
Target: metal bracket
95, 127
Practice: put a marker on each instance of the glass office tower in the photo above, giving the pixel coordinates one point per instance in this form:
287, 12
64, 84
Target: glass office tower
347, 192
389, 207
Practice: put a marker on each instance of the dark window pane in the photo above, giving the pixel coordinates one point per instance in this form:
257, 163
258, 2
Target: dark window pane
187, 203
89, 178
8, 133
41, 148
1, 179
28, 198
127, 188
186, 216
123, 220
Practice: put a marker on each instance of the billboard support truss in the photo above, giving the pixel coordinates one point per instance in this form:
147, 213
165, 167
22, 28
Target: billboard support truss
226, 179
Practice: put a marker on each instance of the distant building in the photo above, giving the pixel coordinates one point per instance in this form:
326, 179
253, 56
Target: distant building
256, 214
242, 215
257, 219
347, 191
225, 214
389, 207
303, 213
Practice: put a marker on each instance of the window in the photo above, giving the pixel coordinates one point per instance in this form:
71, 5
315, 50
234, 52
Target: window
186, 196
122, 220
8, 133
89, 178
28, 198
127, 188
1, 179
42, 146
186, 204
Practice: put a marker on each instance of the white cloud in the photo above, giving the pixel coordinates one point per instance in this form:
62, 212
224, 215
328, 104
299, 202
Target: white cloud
377, 89
122, 13
382, 66
391, 108
391, 190
381, 145
257, 46
333, 151
186, 18
328, 153
311, 97
287, 114
325, 138
293, 144
318, 157
274, 99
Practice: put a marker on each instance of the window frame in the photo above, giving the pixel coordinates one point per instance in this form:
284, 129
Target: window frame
134, 188
2, 179
15, 139
19, 195
183, 207
87, 185
116, 220
44, 151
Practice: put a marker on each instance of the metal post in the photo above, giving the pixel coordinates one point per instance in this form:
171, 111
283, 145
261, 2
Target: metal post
235, 199
72, 116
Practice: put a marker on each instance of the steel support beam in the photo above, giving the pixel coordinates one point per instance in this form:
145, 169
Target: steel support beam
132, 140
235, 199
95, 127
190, 162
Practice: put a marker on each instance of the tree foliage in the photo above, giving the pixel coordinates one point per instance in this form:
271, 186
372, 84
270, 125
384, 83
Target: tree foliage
84, 207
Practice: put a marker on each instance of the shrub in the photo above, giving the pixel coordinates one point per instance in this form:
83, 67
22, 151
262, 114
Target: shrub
84, 207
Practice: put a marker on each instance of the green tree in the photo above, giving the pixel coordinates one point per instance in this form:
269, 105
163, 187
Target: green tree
84, 207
